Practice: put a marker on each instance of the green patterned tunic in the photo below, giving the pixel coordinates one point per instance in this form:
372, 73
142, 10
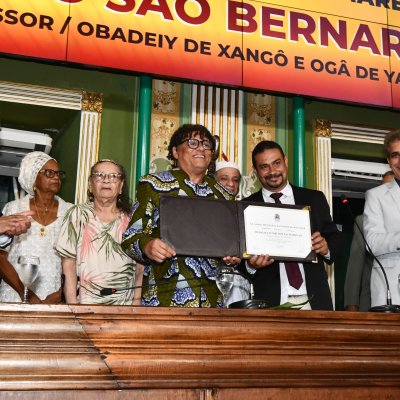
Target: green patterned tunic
182, 280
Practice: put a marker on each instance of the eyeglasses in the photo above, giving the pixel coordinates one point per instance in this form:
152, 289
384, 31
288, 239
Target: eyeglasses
101, 176
50, 173
395, 155
195, 143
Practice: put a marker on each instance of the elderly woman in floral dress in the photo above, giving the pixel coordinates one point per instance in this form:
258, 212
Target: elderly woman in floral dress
90, 241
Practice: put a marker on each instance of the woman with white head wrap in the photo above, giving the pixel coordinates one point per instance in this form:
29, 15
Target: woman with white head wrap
228, 175
40, 177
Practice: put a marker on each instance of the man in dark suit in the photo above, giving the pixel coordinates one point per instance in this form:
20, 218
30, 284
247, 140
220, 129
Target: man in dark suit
272, 279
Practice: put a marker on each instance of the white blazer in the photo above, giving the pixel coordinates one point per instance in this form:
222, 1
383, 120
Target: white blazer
382, 231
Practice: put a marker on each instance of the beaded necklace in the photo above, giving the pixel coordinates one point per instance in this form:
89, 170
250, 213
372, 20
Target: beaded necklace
42, 221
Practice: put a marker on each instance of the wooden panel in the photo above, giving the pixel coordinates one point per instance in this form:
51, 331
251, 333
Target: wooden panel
138, 394
46, 347
216, 348
197, 353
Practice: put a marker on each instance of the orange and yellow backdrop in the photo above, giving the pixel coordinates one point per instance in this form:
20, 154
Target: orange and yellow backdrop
345, 50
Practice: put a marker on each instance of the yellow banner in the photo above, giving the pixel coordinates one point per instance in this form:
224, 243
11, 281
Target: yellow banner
344, 50
363, 10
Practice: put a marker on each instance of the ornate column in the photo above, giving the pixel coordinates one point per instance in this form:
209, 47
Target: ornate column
323, 136
92, 107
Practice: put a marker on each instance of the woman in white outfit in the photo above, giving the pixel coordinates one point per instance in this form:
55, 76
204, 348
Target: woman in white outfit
228, 175
40, 177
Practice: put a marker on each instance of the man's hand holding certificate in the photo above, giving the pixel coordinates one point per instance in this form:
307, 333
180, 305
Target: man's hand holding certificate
240, 229
282, 232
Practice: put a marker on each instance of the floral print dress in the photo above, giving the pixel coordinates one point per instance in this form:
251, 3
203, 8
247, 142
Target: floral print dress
100, 261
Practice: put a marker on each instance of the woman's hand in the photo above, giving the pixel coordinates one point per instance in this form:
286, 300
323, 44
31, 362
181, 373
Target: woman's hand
53, 298
158, 250
11, 277
232, 261
16, 224
32, 297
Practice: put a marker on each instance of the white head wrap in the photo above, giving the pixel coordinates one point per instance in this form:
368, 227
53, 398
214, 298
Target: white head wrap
225, 164
31, 164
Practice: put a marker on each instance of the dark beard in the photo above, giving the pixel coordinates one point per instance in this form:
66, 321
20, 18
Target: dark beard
273, 185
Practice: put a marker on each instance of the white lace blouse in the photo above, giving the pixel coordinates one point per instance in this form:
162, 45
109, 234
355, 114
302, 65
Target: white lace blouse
34, 244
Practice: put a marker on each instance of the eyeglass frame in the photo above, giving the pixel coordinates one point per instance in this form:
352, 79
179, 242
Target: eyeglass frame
50, 173
101, 176
199, 142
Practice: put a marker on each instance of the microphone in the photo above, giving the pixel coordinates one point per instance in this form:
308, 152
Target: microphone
388, 307
107, 291
110, 291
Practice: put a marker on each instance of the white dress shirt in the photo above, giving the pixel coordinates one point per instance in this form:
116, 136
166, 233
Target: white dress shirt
286, 289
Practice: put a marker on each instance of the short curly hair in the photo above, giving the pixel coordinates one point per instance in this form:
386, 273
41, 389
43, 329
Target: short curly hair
124, 203
262, 146
187, 131
391, 137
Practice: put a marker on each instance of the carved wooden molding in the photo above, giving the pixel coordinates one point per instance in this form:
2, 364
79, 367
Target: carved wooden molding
90, 105
92, 101
322, 128
197, 353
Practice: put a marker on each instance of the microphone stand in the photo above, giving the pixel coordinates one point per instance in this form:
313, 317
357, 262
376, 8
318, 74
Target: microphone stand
388, 307
106, 291
250, 303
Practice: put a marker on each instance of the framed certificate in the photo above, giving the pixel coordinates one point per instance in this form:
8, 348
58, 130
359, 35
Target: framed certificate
219, 228
281, 231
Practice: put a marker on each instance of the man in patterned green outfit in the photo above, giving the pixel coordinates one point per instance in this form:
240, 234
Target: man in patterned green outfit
168, 279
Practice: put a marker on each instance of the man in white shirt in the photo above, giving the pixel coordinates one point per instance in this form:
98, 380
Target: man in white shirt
357, 285
382, 227
279, 282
